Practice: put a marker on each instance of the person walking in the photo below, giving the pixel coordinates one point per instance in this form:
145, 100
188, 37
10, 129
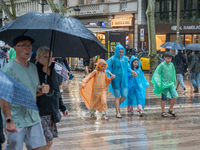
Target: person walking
164, 80
86, 62
180, 64
94, 90
195, 71
23, 124
2, 55
136, 88
63, 61
49, 105
118, 65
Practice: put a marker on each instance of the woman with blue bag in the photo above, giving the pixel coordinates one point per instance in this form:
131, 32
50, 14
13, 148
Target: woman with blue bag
136, 88
118, 65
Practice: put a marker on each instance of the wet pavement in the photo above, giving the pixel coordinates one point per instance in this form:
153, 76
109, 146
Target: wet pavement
150, 132
78, 131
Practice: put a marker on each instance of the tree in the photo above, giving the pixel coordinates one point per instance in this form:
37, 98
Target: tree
152, 35
58, 8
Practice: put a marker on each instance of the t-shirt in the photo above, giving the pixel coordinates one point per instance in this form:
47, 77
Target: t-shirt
28, 77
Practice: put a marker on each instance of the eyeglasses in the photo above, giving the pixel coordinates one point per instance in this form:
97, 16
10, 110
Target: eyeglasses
24, 46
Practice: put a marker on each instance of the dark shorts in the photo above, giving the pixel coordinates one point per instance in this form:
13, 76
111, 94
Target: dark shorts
86, 62
164, 97
49, 127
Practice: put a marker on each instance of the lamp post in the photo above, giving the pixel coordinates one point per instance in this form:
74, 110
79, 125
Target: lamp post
5, 20
77, 11
44, 2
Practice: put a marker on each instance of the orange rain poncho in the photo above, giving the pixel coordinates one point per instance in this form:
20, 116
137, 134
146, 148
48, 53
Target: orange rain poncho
96, 84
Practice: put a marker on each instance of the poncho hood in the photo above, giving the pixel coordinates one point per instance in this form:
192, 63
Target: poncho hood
100, 63
134, 58
117, 49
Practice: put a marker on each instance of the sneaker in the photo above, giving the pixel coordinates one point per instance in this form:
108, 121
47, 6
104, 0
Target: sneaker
196, 90
184, 91
61, 90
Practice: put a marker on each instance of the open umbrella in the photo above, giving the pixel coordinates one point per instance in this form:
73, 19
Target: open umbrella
14, 92
66, 37
195, 47
173, 45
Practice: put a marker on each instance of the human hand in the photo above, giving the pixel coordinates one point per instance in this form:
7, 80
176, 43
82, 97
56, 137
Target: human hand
83, 86
113, 76
134, 74
70, 72
45, 88
65, 113
11, 127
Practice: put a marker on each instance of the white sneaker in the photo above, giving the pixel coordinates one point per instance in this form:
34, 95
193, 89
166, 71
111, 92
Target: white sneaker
61, 90
184, 91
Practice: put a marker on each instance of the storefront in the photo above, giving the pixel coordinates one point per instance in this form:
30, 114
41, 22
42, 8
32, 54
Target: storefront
189, 33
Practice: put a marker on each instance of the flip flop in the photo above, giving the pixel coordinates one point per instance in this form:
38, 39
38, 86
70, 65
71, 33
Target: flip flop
119, 116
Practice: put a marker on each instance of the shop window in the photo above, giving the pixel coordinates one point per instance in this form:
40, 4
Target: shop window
188, 39
196, 38
194, 4
173, 38
160, 39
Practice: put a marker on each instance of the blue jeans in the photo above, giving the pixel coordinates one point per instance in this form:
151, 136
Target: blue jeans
2, 63
194, 77
180, 79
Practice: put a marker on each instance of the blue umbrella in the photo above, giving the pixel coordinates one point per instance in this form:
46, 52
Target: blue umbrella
194, 47
14, 92
173, 45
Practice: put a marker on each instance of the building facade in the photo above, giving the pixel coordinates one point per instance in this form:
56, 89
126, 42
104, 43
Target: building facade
166, 18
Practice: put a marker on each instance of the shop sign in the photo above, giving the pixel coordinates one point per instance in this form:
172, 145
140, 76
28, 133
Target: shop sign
142, 34
121, 22
191, 27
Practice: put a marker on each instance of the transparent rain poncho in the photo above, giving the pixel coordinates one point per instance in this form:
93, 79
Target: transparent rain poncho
120, 67
136, 87
164, 78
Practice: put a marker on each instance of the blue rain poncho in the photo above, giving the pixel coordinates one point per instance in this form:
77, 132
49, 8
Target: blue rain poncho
120, 67
136, 87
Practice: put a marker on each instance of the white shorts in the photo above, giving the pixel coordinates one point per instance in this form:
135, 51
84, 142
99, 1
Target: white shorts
32, 136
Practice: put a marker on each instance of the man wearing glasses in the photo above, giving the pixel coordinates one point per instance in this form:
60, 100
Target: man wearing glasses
23, 124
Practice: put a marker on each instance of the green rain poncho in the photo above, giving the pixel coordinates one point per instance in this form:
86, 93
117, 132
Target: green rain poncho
12, 54
164, 78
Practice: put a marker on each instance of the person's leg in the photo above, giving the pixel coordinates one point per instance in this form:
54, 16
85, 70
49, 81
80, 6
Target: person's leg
117, 102
163, 105
192, 78
197, 78
173, 100
177, 83
104, 113
163, 101
180, 79
92, 112
15, 140
86, 70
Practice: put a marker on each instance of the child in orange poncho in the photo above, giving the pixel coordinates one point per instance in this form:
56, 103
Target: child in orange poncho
93, 90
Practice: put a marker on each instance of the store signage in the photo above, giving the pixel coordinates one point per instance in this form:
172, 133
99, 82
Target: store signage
191, 27
142, 34
121, 22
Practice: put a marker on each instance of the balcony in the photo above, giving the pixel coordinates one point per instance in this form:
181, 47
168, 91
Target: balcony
104, 8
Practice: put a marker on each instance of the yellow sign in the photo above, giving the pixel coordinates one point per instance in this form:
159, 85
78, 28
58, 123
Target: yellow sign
121, 22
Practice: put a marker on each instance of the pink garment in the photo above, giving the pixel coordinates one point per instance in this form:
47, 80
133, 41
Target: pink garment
130, 108
139, 108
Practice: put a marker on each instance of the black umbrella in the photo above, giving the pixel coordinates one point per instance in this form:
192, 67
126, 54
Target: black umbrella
173, 45
195, 47
66, 37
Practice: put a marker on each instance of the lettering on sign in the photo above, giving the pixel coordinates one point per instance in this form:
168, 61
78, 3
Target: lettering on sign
192, 27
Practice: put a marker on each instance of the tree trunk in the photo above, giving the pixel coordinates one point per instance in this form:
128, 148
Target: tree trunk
13, 9
6, 10
52, 5
61, 8
152, 35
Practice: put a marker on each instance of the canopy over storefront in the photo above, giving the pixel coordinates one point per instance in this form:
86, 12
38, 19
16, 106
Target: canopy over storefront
99, 29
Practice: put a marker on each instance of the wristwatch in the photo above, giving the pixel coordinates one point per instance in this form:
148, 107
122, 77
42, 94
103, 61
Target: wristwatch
9, 120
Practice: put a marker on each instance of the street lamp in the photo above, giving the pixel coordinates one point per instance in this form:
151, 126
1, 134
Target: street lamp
44, 2
77, 11
5, 20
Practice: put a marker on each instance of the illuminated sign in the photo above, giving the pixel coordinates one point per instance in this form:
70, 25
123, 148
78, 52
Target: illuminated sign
121, 22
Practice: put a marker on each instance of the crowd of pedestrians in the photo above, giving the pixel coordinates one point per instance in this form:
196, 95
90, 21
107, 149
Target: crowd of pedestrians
126, 81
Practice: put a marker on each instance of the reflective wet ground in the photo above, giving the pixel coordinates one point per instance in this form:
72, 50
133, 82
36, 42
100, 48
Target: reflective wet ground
78, 131
151, 132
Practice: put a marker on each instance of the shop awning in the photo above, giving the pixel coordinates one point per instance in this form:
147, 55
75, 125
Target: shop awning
96, 30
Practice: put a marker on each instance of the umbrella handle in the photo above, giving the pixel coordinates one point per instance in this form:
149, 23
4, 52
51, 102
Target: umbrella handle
49, 95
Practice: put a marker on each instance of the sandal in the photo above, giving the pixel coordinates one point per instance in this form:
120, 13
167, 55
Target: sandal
173, 113
119, 116
104, 117
93, 116
163, 114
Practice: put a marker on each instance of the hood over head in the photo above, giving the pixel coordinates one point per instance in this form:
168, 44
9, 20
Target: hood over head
117, 49
100, 63
134, 58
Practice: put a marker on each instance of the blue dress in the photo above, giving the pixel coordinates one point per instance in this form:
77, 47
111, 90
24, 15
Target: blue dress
136, 87
120, 67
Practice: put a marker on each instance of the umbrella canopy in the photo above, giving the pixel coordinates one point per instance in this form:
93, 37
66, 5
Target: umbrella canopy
67, 37
173, 45
14, 92
195, 47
